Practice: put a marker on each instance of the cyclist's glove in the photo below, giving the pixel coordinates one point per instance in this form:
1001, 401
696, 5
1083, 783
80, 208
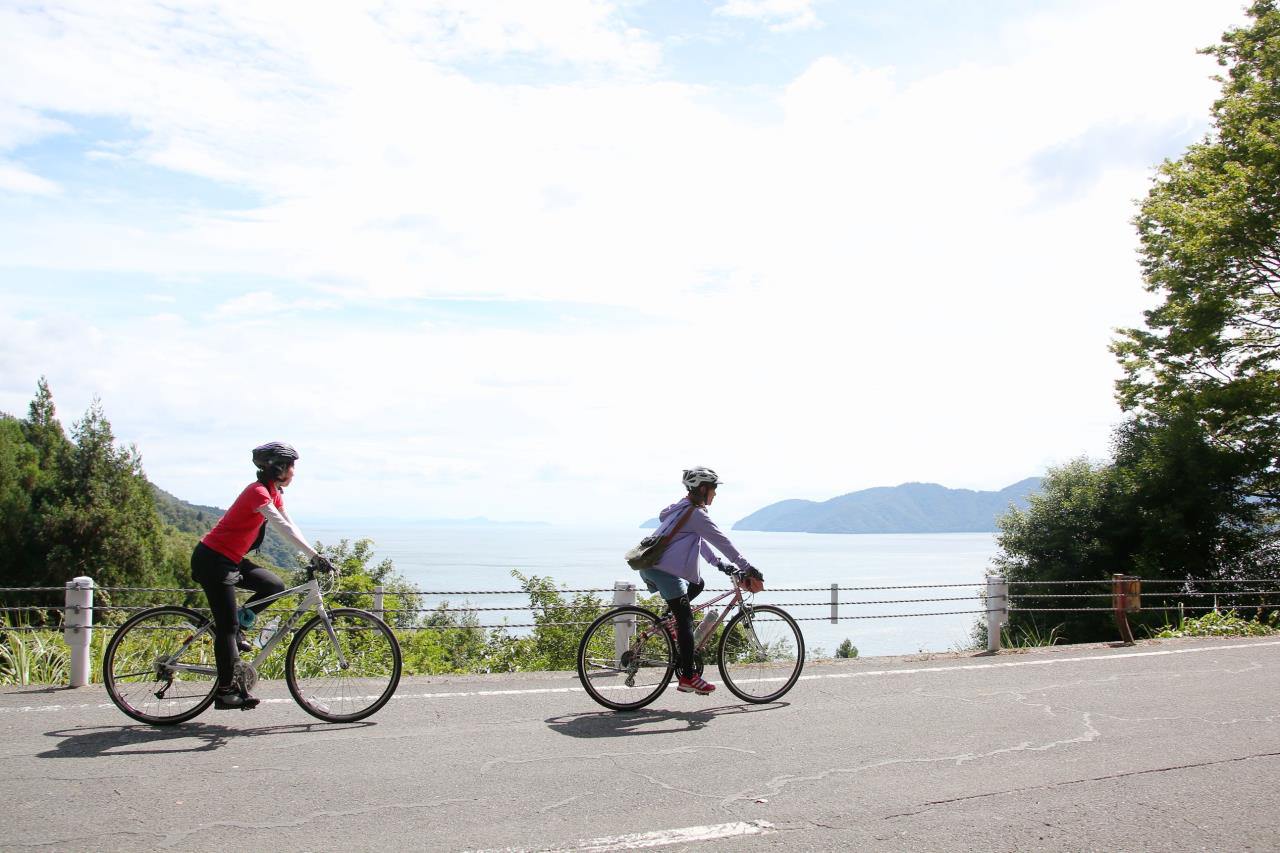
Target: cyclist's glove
726, 567
321, 564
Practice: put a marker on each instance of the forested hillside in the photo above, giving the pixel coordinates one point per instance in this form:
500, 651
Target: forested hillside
77, 504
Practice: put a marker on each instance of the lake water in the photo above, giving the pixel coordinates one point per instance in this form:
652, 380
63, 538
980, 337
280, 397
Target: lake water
461, 559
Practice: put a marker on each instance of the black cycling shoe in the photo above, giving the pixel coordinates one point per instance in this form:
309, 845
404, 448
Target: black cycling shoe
233, 699
242, 642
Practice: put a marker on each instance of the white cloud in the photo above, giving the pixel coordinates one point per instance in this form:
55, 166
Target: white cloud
868, 288
18, 180
780, 15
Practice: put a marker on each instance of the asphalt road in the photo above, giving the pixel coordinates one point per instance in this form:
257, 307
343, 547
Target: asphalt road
1164, 746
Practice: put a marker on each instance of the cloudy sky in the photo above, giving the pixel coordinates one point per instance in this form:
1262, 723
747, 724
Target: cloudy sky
529, 260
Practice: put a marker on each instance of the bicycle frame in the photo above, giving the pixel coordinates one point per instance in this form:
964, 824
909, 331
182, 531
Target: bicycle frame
738, 602
312, 600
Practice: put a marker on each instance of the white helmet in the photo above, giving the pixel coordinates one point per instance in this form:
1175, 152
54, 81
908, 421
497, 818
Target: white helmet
694, 477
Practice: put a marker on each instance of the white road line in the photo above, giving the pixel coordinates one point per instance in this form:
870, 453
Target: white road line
661, 838
871, 673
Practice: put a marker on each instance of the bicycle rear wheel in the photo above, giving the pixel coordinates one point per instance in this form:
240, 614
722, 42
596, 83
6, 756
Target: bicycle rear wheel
330, 690
761, 654
159, 666
625, 658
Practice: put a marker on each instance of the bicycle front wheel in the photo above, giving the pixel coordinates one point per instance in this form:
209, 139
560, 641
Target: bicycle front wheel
761, 654
348, 680
159, 666
625, 659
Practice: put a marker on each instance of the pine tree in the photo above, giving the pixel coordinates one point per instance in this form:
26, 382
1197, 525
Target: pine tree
102, 522
19, 472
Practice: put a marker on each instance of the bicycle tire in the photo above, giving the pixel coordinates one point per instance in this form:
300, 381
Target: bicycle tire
136, 662
779, 657
317, 681
600, 669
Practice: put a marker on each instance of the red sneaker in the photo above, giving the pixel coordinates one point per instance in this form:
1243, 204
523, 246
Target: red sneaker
696, 684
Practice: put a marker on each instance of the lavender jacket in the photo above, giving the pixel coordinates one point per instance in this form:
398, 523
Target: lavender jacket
681, 557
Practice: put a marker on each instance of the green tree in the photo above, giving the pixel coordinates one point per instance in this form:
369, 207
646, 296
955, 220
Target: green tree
1077, 528
1166, 509
1193, 490
1210, 236
44, 433
19, 473
99, 519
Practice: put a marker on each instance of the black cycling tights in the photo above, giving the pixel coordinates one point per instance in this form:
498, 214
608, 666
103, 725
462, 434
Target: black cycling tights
683, 611
219, 577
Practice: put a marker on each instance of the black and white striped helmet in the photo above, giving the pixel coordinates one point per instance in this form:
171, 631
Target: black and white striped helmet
274, 454
694, 477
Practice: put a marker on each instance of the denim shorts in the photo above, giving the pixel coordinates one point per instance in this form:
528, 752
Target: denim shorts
668, 586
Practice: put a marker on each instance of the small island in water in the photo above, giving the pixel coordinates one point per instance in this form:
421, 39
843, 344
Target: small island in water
908, 508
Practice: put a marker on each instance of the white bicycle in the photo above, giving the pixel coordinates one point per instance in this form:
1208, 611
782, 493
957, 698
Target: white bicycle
342, 665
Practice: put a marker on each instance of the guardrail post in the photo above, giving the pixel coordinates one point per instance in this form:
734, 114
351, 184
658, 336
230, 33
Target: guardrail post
1125, 599
997, 610
77, 627
835, 603
624, 593
377, 602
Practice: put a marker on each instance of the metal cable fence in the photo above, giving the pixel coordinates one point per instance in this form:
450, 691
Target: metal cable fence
71, 609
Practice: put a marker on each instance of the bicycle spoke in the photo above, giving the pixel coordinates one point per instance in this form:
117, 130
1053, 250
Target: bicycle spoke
761, 654
160, 651
624, 659
320, 683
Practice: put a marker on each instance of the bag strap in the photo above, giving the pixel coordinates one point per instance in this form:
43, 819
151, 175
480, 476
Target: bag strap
667, 539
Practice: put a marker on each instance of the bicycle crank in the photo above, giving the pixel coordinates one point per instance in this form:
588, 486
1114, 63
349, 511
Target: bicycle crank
245, 676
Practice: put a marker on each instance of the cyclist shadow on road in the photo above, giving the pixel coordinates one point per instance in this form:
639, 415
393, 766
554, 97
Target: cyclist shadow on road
149, 740
648, 721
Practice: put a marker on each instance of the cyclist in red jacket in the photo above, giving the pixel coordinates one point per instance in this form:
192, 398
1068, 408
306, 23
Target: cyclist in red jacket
219, 563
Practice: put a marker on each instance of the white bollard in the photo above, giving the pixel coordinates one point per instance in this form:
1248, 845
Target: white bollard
997, 610
624, 592
835, 603
377, 602
77, 627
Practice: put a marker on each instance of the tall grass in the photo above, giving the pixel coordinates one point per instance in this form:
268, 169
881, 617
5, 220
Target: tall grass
39, 655
1030, 636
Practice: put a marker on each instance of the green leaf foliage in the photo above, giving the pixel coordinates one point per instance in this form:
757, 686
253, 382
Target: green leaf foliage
1210, 234
1193, 490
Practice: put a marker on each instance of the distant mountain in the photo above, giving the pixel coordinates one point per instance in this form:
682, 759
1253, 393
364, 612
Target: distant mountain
476, 521
199, 520
909, 508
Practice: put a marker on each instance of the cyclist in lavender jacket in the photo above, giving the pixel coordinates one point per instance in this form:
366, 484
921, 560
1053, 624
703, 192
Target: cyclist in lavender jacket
676, 577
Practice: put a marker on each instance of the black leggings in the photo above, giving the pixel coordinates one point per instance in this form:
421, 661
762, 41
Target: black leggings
219, 577
683, 611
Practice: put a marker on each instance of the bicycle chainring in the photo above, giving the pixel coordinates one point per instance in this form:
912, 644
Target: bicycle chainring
245, 676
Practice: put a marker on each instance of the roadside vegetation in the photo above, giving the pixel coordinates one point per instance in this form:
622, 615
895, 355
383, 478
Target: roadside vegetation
1222, 624
1192, 490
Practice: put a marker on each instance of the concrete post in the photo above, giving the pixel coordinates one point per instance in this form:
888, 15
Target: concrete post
997, 610
77, 627
377, 602
624, 593
835, 603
